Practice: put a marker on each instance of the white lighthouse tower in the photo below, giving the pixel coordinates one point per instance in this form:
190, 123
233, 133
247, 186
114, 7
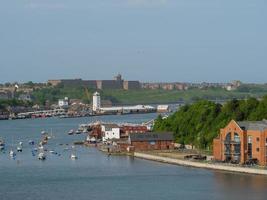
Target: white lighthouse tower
96, 102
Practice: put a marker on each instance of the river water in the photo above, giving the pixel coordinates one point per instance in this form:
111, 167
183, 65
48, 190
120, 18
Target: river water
97, 176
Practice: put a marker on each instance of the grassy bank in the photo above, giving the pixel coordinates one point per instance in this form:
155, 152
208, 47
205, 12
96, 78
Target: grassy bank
143, 96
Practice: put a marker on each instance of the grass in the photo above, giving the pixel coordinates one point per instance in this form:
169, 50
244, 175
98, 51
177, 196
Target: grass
163, 96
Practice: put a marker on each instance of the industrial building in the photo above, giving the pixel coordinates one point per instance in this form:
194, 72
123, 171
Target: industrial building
98, 109
148, 142
116, 83
242, 143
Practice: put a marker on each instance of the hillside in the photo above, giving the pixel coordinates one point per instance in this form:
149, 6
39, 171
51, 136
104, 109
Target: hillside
145, 96
198, 124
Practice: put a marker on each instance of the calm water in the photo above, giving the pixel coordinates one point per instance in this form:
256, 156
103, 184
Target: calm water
96, 176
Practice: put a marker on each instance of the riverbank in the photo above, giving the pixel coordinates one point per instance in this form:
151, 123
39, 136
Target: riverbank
203, 165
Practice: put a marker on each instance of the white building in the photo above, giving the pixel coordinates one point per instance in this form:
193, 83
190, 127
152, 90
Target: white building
110, 131
96, 101
63, 103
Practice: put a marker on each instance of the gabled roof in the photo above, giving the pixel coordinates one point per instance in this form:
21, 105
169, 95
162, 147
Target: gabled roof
253, 125
137, 137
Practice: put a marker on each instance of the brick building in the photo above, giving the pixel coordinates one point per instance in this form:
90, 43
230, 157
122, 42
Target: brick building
127, 130
242, 142
148, 141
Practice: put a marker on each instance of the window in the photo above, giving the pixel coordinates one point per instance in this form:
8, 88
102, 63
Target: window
228, 137
250, 139
236, 137
249, 147
258, 139
258, 149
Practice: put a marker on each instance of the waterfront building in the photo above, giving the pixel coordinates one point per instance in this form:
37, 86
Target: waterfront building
242, 142
110, 132
126, 130
148, 141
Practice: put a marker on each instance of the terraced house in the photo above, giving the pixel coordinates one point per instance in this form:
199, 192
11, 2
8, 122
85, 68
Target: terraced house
242, 142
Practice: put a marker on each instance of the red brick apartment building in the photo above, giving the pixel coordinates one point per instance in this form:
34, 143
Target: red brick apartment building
241, 142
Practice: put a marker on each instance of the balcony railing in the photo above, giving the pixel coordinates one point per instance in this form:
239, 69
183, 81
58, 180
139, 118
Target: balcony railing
232, 153
231, 142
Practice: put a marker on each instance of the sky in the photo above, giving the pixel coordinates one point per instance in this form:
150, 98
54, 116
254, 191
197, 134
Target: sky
146, 40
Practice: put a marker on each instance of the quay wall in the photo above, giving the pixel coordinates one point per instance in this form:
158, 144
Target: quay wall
200, 165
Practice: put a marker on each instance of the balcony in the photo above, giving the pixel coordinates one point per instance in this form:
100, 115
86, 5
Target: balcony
235, 153
234, 142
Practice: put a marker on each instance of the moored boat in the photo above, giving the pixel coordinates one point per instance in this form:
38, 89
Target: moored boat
12, 153
19, 149
41, 156
73, 156
71, 132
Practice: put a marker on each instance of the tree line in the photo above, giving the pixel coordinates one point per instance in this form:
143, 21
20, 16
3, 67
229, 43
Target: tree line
199, 123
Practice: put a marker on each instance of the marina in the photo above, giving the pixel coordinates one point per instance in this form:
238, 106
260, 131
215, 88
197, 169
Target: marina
91, 170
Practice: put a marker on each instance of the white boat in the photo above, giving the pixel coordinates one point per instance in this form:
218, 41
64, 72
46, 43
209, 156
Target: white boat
12, 153
20, 143
43, 132
19, 149
73, 157
41, 147
71, 132
41, 156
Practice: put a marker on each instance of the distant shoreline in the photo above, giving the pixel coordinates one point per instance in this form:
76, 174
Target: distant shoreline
187, 163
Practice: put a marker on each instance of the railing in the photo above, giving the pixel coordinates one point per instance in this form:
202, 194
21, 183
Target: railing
232, 153
231, 142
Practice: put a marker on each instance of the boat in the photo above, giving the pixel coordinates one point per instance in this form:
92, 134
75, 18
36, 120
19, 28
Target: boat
12, 153
78, 132
41, 156
41, 147
53, 152
71, 132
20, 143
19, 149
73, 156
31, 142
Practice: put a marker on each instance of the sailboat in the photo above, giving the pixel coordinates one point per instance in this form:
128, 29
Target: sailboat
73, 156
11, 152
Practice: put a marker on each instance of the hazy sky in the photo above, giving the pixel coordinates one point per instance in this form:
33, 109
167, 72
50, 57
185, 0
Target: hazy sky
155, 40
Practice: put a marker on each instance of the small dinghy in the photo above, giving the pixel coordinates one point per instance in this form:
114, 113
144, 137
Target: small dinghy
41, 156
71, 132
19, 149
12, 153
73, 157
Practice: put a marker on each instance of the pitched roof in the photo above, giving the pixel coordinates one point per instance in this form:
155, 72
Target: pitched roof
135, 137
110, 125
253, 125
